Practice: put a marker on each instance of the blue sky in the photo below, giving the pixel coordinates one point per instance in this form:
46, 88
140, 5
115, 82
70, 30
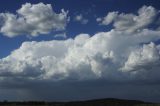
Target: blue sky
90, 9
90, 49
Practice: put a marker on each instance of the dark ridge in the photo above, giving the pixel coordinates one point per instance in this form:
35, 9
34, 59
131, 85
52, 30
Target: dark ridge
96, 102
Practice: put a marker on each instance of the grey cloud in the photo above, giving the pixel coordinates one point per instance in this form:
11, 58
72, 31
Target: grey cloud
65, 91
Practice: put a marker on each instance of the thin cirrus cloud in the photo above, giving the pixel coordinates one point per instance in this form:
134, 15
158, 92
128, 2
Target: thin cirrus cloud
130, 22
32, 20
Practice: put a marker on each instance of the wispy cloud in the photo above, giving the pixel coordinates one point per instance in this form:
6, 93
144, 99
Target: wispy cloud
80, 18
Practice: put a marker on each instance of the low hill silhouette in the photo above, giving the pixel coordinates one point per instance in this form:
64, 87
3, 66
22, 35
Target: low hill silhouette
97, 102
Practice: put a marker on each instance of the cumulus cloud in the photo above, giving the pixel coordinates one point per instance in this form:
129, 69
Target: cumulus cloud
106, 55
108, 19
131, 22
144, 58
98, 61
115, 60
33, 20
80, 18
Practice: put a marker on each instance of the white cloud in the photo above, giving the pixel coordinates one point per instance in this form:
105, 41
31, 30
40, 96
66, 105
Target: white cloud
33, 20
81, 19
94, 60
62, 35
142, 58
109, 18
115, 55
78, 17
130, 22
98, 19
100, 56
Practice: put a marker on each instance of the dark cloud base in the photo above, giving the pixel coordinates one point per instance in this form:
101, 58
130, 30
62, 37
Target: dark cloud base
121, 63
71, 91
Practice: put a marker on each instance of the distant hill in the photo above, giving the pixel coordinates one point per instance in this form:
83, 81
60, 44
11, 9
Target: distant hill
98, 102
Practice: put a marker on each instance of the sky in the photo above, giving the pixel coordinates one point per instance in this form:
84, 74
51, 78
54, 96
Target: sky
62, 50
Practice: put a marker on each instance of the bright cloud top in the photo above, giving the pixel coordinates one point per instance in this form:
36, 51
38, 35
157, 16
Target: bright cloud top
105, 55
115, 55
32, 20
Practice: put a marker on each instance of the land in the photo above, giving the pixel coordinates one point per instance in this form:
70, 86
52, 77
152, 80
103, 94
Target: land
98, 102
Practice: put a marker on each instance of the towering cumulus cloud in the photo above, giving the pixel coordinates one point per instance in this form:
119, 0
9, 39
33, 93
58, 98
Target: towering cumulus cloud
32, 19
128, 52
108, 55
